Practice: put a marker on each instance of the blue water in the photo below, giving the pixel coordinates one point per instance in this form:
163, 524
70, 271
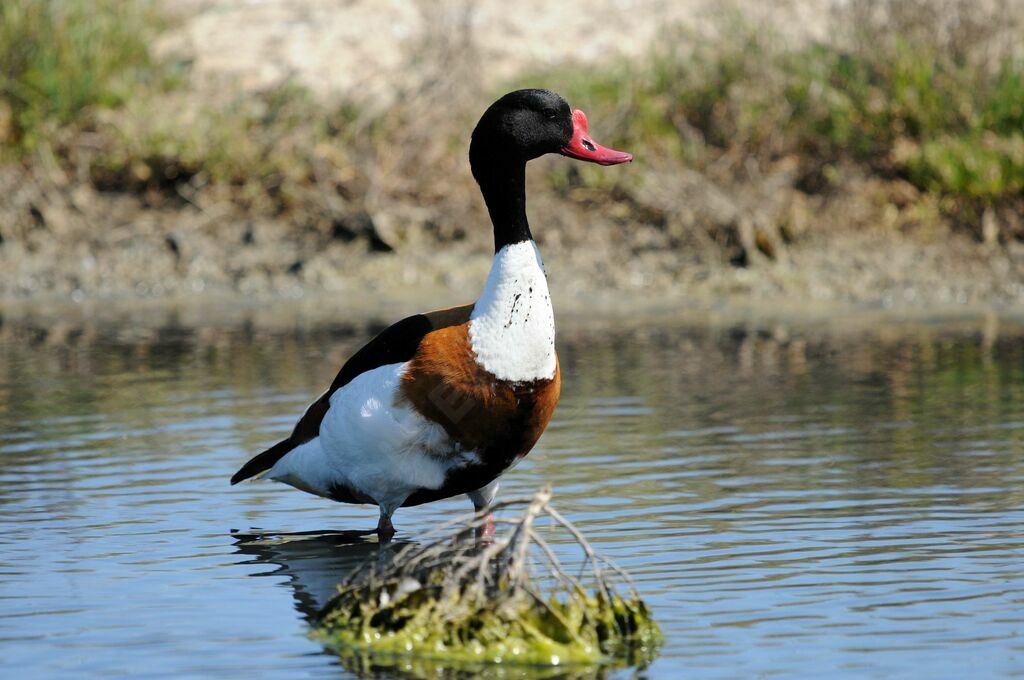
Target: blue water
793, 501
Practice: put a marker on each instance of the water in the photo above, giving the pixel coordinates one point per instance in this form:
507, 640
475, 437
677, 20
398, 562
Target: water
792, 500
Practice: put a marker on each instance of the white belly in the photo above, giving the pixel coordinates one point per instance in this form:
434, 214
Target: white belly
372, 446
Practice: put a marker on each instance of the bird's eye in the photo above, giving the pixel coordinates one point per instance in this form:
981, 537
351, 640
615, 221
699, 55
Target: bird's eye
550, 114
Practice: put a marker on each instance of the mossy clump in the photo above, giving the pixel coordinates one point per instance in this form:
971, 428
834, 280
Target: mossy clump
502, 601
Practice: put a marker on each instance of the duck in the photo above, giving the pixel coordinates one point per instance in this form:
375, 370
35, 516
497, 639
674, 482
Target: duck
443, 403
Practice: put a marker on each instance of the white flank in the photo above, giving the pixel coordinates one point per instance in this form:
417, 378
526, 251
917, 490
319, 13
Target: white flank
512, 329
371, 445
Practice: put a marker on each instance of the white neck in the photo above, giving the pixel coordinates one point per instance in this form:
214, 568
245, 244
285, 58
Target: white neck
512, 329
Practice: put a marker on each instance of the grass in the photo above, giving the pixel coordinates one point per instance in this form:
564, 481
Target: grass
885, 96
60, 60
895, 103
259, 136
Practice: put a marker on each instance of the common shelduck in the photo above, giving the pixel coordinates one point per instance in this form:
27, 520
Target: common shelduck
443, 403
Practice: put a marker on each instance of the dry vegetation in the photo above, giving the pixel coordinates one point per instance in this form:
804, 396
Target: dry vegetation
505, 601
890, 158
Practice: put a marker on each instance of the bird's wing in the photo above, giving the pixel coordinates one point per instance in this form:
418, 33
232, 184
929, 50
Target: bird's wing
395, 344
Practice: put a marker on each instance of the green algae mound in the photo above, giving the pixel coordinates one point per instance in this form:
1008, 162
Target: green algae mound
461, 598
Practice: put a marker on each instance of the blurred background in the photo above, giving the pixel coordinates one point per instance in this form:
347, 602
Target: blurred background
812, 150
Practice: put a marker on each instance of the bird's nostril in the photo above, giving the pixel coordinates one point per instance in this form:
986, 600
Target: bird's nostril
587, 143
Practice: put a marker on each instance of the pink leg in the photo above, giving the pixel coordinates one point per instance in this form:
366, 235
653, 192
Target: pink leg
385, 529
482, 498
487, 530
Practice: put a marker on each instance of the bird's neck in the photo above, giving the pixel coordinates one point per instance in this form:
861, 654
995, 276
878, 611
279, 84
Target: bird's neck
512, 328
502, 180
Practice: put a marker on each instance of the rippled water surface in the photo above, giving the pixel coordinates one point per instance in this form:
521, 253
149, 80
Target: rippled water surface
792, 500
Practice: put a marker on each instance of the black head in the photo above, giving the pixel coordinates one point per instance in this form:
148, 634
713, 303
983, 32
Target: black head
525, 124
517, 128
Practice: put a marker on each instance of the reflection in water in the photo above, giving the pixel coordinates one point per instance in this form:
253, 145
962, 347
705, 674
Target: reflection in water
792, 499
313, 562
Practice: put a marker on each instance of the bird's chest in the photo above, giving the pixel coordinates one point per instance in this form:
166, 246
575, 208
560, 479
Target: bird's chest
512, 328
498, 419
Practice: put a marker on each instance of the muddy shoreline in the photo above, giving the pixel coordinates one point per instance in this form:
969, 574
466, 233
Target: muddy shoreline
118, 251
245, 182
77, 243
231, 310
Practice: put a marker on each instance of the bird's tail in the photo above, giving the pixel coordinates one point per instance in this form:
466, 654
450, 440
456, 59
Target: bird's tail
262, 462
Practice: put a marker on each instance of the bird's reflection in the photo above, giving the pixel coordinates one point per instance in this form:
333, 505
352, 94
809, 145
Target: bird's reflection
314, 561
